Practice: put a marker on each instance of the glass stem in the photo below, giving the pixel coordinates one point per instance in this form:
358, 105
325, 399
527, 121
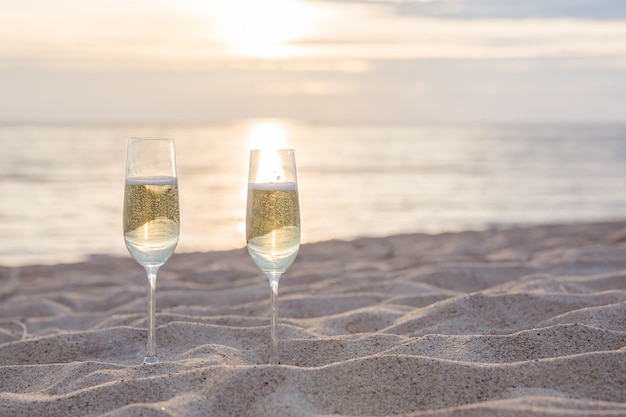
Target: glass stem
274, 321
151, 353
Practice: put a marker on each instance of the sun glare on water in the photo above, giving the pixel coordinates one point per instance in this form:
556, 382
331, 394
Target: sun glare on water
267, 135
260, 28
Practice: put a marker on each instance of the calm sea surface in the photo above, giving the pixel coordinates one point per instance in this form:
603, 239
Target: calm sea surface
61, 187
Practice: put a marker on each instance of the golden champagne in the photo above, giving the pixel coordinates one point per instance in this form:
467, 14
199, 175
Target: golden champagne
151, 219
273, 225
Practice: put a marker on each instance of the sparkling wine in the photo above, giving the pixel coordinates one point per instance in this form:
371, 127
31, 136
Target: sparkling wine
273, 225
151, 219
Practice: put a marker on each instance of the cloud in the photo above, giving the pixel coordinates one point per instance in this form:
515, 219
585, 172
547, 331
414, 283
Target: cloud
346, 34
306, 87
430, 38
361, 61
494, 9
390, 91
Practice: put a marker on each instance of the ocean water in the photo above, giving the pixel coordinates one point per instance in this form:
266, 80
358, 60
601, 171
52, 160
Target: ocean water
61, 187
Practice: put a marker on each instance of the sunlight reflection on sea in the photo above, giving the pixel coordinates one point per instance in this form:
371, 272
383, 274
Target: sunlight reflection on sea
62, 186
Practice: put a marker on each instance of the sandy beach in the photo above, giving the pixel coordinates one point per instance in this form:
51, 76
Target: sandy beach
515, 322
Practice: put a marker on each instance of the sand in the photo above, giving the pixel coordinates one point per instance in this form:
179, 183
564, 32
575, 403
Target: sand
517, 322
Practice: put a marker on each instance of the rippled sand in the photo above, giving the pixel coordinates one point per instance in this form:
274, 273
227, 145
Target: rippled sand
518, 322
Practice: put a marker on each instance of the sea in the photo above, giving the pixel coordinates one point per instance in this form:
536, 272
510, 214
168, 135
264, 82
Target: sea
62, 186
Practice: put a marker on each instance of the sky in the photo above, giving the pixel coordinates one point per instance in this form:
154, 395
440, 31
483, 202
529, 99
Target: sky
393, 61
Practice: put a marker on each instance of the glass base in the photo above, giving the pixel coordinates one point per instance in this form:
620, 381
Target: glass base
150, 360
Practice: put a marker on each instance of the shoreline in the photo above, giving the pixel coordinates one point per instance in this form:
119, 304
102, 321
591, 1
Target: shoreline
96, 257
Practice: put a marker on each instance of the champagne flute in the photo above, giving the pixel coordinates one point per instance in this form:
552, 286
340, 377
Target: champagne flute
151, 214
273, 221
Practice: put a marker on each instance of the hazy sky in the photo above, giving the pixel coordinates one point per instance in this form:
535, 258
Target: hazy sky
339, 61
